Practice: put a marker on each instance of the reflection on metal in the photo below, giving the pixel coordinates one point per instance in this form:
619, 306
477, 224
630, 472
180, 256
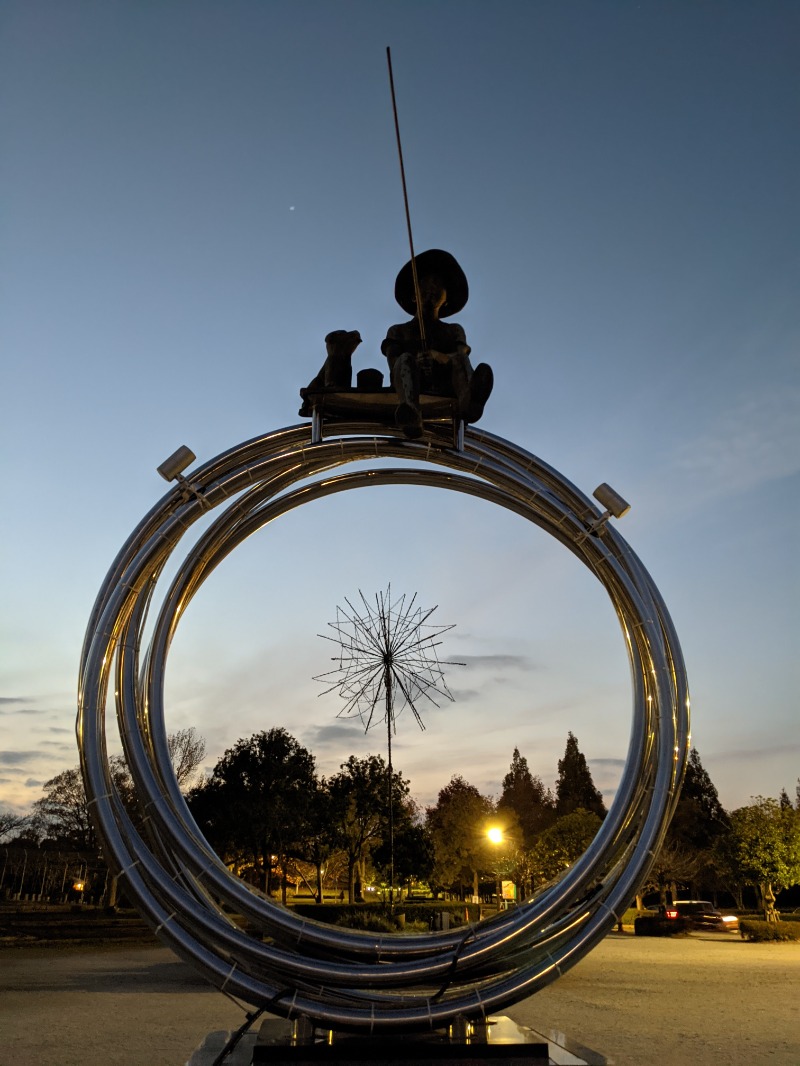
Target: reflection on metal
343, 979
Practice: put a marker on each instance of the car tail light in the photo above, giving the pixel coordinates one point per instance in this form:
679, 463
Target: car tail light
670, 913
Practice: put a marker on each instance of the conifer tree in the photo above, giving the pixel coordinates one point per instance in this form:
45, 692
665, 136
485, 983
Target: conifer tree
575, 788
525, 795
699, 820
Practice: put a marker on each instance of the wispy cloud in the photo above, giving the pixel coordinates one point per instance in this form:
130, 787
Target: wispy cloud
18, 705
335, 733
754, 441
15, 758
519, 662
465, 695
748, 754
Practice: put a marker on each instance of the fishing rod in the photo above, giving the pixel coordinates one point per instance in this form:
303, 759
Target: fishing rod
414, 277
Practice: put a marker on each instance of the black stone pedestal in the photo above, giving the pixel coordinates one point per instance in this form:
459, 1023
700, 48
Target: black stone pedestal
299, 1043
498, 1040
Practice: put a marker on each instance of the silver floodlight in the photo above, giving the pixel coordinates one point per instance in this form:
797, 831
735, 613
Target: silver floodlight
611, 500
614, 505
173, 467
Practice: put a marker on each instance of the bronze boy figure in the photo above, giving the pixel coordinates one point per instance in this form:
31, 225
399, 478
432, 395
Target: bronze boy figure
442, 367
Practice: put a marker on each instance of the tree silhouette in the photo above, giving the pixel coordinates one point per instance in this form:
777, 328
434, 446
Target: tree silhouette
563, 843
388, 660
187, 749
317, 844
62, 813
673, 864
11, 823
360, 810
763, 848
525, 795
257, 800
575, 788
699, 820
413, 851
458, 825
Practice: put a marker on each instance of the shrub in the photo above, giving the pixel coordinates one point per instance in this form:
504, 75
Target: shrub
754, 930
631, 914
416, 927
369, 922
340, 913
429, 912
655, 925
419, 916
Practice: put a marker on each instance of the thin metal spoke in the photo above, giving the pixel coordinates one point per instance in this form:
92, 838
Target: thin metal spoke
382, 633
385, 649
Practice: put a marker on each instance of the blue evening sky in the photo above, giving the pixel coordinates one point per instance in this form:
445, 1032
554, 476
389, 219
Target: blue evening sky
194, 194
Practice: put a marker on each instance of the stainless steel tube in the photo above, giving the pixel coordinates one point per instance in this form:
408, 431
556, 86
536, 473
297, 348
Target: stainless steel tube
340, 978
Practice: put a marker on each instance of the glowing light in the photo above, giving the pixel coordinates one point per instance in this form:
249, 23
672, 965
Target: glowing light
495, 835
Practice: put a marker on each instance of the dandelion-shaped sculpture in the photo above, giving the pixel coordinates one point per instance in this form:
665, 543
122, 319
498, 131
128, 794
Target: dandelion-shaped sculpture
388, 661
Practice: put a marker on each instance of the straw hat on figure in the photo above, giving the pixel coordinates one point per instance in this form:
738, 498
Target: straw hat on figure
427, 355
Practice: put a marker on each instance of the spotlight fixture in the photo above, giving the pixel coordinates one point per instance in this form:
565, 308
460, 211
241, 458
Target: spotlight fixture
610, 499
614, 505
171, 470
173, 467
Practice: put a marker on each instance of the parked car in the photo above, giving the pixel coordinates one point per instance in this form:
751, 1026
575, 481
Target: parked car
702, 915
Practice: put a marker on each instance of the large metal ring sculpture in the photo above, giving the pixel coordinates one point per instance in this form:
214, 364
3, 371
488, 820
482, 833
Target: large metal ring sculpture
344, 979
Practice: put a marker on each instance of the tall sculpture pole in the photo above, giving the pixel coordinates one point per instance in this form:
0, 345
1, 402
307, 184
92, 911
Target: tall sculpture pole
386, 647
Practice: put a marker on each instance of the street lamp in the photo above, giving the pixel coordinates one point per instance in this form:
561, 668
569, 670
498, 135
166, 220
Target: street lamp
496, 837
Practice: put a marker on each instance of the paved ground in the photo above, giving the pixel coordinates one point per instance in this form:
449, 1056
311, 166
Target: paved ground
699, 1000
702, 1000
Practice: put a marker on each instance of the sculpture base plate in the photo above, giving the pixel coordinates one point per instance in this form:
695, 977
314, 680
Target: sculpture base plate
500, 1040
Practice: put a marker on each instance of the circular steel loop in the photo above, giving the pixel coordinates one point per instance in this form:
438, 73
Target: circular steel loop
340, 978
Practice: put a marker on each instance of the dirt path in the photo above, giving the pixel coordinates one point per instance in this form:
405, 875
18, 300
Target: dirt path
645, 1002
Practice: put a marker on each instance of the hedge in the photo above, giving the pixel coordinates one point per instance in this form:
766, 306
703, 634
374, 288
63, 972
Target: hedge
762, 931
374, 915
